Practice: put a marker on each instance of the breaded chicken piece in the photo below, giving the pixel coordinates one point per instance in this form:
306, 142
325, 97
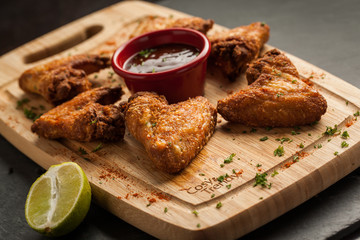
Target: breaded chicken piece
277, 96
232, 50
172, 134
62, 79
152, 23
89, 116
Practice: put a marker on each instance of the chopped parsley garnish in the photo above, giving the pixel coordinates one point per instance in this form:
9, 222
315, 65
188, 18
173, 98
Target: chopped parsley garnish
258, 165
21, 102
296, 158
336, 153
82, 151
153, 124
274, 173
93, 122
294, 133
344, 144
282, 140
98, 147
309, 134
30, 114
146, 53
279, 151
212, 195
222, 165
347, 103
228, 186
357, 114
294, 81
202, 174
165, 210
345, 135
230, 158
301, 145
222, 177
198, 225
318, 146
264, 138
268, 128
218, 205
331, 131
111, 74
260, 179
196, 213
253, 130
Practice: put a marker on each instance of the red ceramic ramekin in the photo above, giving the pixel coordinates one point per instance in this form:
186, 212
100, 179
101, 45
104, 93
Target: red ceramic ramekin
177, 84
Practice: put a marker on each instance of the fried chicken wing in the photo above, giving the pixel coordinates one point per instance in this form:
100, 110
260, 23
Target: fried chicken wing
152, 23
172, 134
89, 116
62, 79
277, 97
232, 50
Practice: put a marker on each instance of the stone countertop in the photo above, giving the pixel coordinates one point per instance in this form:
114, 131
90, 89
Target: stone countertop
324, 33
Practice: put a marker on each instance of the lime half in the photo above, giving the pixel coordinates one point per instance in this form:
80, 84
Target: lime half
58, 200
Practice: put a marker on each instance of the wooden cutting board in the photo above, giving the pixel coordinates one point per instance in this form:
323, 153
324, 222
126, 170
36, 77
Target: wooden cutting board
125, 182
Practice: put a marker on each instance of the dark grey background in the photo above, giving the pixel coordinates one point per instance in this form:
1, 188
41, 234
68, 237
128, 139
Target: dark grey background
324, 33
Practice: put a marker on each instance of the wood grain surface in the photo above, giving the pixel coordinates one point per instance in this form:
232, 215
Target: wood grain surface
125, 182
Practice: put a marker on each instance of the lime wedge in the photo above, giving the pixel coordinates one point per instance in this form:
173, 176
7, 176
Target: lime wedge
58, 200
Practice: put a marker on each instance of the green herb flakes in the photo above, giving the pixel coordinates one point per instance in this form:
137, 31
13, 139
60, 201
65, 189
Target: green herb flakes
274, 173
344, 144
21, 102
345, 135
279, 151
219, 205
282, 140
98, 147
230, 158
82, 151
260, 179
264, 138
331, 131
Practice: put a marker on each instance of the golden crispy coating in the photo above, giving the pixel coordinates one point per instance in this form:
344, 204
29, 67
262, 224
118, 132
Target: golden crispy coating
276, 98
232, 50
271, 60
62, 79
89, 116
172, 134
152, 23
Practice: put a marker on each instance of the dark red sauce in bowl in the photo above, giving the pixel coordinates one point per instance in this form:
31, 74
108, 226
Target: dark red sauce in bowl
178, 83
161, 58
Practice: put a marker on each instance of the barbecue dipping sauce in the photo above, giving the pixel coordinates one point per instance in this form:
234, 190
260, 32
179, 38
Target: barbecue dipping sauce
161, 58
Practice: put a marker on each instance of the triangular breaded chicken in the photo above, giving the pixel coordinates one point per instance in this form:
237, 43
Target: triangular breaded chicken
171, 134
62, 79
232, 50
89, 116
152, 23
276, 97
